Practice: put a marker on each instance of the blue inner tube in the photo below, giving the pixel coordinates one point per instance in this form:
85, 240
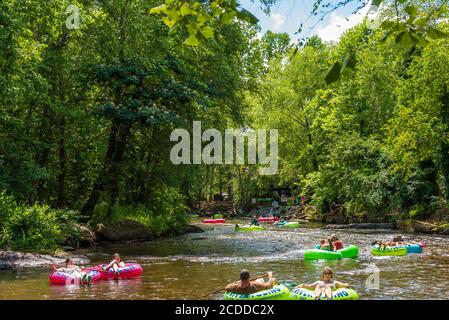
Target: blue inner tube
414, 248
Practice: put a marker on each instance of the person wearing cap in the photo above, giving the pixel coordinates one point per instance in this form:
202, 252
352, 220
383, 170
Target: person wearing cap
246, 286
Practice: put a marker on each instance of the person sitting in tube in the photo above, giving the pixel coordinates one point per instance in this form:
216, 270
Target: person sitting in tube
324, 245
255, 221
246, 286
74, 270
401, 242
280, 222
326, 285
330, 241
336, 243
397, 241
115, 264
383, 245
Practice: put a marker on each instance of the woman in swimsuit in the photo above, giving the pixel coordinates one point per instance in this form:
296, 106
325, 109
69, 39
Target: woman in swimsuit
326, 285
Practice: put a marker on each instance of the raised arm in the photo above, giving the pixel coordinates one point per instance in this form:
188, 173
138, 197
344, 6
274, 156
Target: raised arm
308, 286
266, 285
53, 267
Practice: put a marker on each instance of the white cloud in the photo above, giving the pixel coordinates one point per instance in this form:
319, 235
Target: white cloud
278, 21
339, 24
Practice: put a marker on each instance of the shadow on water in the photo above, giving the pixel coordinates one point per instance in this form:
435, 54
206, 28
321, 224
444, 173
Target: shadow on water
189, 266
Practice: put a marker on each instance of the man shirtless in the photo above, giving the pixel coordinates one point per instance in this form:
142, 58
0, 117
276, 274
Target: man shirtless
245, 286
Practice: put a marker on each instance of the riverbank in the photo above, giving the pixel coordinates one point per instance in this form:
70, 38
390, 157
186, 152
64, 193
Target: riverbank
124, 233
409, 226
16, 260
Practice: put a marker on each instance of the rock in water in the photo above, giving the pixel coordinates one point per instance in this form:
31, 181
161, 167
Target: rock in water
12, 259
127, 230
360, 226
194, 229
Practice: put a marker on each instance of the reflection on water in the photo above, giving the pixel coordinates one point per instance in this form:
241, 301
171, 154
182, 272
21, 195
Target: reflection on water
189, 266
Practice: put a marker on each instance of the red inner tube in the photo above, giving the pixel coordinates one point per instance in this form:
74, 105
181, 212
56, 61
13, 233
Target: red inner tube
129, 271
64, 278
214, 221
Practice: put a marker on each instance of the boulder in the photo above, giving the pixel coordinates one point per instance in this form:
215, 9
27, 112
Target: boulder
411, 226
76, 235
425, 227
371, 226
444, 229
12, 260
336, 216
127, 230
86, 236
337, 226
405, 225
194, 229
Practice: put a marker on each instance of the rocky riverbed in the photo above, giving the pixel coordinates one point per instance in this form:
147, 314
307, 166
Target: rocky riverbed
13, 260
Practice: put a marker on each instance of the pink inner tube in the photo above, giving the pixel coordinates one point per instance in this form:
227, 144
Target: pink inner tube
423, 244
273, 219
214, 221
130, 270
64, 278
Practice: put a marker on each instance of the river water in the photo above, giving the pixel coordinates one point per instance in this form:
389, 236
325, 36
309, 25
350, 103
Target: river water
189, 266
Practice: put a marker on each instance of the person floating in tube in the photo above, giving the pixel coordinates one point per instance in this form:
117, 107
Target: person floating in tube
326, 285
337, 244
255, 221
246, 286
74, 270
115, 264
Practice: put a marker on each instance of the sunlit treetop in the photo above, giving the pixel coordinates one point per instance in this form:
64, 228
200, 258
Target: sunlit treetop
409, 22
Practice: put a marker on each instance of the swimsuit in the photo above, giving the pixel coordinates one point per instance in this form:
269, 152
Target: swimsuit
331, 284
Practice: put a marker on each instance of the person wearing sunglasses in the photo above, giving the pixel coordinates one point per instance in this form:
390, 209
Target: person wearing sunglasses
326, 285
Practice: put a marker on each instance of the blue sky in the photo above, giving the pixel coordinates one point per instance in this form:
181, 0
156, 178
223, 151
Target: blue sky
287, 15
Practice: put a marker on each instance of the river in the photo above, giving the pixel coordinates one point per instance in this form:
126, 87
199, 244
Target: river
189, 266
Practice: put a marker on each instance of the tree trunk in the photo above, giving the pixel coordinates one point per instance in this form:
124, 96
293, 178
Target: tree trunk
116, 168
108, 178
43, 152
62, 165
444, 156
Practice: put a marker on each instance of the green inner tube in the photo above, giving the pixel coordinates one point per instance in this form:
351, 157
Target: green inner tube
289, 225
317, 254
349, 252
339, 294
249, 228
278, 292
389, 251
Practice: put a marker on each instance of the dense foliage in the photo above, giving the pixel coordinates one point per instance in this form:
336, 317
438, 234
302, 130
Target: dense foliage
87, 109
374, 142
